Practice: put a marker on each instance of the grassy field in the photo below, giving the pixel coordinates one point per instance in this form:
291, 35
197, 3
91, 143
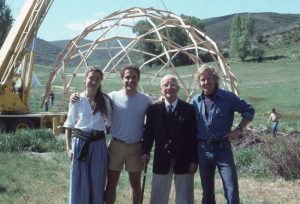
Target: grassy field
44, 178
271, 84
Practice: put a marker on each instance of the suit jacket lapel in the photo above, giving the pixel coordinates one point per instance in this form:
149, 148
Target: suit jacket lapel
163, 115
177, 114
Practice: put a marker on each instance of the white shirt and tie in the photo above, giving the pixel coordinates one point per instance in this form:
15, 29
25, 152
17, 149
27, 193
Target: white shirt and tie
171, 106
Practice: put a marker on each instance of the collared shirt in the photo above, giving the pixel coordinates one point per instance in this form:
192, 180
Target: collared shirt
174, 104
219, 119
80, 116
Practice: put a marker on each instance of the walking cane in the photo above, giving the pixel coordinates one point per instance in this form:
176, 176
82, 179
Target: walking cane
144, 182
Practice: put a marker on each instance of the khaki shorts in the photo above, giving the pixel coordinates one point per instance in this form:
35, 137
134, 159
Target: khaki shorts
120, 153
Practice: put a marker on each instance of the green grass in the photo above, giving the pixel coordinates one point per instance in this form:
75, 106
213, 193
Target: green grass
39, 140
287, 49
251, 164
271, 84
34, 177
27, 178
44, 178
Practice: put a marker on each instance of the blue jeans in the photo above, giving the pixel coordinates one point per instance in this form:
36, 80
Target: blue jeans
275, 128
219, 155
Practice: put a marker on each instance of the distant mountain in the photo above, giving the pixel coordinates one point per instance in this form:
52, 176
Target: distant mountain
272, 26
46, 52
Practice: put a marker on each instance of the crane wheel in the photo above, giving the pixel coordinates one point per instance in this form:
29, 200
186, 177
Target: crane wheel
3, 126
22, 123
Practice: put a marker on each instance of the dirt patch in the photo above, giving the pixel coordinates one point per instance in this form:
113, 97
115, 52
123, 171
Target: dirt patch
254, 137
278, 191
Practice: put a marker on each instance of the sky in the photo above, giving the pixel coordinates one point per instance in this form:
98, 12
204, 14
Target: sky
67, 18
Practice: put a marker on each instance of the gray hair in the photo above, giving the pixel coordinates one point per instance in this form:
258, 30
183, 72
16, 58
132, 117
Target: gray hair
170, 76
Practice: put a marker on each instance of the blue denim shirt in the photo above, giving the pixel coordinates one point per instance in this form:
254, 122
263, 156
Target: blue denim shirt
220, 117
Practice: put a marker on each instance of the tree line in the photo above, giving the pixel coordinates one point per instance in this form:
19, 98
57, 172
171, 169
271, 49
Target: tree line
241, 31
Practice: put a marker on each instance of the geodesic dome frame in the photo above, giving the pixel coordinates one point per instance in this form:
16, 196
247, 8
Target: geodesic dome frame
112, 41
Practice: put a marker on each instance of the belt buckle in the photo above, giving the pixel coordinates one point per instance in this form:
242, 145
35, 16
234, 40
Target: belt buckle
208, 142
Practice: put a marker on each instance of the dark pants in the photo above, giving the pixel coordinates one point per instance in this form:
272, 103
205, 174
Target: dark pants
219, 155
275, 128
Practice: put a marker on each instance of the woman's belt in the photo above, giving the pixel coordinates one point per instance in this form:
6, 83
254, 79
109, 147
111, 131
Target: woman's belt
87, 137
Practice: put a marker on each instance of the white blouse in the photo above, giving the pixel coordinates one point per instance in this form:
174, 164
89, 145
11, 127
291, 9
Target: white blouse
80, 116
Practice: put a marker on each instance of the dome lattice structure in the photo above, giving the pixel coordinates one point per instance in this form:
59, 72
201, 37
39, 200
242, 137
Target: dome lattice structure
110, 43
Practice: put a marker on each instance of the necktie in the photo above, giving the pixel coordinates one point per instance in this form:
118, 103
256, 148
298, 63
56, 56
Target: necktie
170, 108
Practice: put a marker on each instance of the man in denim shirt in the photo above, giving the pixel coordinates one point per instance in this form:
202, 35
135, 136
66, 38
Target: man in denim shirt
214, 110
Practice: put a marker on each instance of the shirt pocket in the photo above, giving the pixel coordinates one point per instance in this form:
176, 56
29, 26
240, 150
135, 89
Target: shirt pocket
221, 118
221, 112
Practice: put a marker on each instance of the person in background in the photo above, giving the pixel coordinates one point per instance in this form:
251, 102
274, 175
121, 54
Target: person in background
274, 117
171, 125
214, 109
88, 151
52, 98
46, 105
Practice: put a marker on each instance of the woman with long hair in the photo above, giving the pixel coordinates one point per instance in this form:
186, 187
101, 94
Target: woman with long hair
87, 150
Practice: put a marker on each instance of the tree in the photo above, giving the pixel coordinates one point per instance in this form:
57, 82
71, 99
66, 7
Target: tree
5, 21
140, 28
175, 34
240, 32
192, 20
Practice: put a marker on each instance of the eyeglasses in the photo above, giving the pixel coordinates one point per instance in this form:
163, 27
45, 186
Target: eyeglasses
170, 85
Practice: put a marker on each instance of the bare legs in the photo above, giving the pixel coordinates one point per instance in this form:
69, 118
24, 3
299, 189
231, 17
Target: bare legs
112, 182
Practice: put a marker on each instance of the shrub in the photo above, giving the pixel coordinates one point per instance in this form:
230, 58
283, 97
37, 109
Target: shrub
258, 53
249, 162
260, 38
39, 140
284, 155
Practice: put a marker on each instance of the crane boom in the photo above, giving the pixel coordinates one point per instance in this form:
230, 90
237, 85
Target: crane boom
16, 48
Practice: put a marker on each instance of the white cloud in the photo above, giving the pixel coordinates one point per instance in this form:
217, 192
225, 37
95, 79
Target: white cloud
79, 25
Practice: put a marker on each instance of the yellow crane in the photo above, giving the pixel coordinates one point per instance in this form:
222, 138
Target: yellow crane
16, 52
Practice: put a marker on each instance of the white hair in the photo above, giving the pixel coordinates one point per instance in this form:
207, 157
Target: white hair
168, 76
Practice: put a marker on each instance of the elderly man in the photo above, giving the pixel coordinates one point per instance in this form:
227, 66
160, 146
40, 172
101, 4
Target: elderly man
215, 114
171, 125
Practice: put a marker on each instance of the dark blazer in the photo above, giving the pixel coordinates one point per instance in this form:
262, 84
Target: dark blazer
176, 144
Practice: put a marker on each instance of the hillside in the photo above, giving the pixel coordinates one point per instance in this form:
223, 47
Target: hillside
218, 28
275, 28
46, 52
